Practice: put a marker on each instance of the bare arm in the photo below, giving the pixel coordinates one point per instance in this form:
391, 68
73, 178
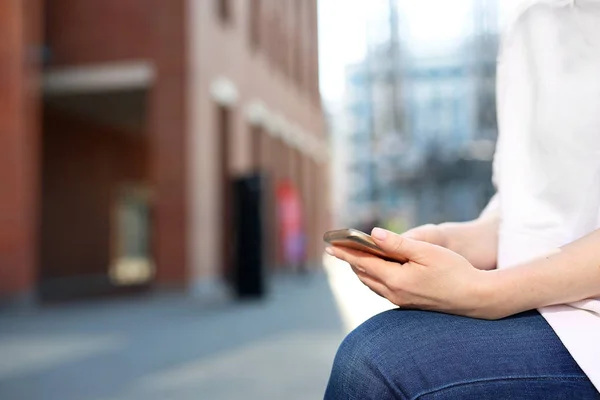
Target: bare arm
571, 273
476, 240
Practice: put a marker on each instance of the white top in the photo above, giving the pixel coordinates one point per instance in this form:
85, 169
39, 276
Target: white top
547, 164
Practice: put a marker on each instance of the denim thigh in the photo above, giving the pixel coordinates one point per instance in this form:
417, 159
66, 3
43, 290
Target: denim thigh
410, 354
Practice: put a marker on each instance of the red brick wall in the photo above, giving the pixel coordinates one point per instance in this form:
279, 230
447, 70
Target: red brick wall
99, 31
90, 31
19, 136
83, 167
83, 32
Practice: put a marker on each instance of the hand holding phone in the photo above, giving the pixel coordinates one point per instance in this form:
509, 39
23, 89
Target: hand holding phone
357, 240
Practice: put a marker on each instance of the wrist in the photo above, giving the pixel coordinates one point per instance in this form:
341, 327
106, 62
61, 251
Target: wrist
453, 234
510, 291
491, 297
476, 240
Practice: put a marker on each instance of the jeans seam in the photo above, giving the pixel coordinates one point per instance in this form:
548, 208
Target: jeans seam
566, 378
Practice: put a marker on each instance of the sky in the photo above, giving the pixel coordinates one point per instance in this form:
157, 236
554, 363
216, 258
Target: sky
430, 25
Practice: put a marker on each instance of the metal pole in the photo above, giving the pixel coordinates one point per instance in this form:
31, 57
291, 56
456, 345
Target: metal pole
372, 166
393, 69
394, 57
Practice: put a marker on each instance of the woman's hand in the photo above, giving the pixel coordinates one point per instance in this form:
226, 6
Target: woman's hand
434, 278
476, 240
429, 233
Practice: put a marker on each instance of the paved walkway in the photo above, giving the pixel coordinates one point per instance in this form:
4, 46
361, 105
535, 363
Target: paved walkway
172, 347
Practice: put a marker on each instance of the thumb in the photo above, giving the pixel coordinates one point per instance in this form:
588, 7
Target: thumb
405, 247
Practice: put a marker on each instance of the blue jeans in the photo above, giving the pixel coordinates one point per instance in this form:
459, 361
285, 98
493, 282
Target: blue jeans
405, 354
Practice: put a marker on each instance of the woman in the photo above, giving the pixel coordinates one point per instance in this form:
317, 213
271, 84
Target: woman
508, 305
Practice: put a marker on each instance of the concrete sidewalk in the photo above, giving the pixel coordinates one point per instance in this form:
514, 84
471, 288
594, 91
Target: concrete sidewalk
171, 347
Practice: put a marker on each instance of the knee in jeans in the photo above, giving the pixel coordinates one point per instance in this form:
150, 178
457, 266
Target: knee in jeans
369, 360
358, 346
357, 359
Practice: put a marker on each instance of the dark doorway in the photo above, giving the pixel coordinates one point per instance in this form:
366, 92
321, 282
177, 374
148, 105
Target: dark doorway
89, 165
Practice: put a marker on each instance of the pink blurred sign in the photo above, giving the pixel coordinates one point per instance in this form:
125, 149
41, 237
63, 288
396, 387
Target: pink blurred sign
289, 216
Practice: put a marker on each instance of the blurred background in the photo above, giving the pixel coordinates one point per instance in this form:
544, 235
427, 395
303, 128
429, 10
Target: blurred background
168, 168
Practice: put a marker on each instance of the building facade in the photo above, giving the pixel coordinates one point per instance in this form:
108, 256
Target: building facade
126, 122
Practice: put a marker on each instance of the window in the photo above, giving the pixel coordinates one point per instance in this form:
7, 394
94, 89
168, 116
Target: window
299, 44
132, 260
358, 79
270, 37
313, 54
279, 32
255, 22
224, 10
47, 40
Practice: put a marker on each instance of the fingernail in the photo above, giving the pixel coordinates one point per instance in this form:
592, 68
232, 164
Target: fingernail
379, 234
329, 251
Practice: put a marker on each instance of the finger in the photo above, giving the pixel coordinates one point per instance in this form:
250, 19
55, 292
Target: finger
373, 284
363, 274
351, 256
367, 263
400, 246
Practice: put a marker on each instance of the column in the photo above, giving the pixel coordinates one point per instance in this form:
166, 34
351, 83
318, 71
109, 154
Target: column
20, 30
168, 129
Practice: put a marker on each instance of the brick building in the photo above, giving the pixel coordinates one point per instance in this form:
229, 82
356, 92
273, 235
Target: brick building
122, 123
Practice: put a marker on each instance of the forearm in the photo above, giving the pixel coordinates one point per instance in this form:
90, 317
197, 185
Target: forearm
476, 240
569, 274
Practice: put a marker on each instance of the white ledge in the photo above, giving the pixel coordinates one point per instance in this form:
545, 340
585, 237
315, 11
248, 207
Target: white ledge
99, 78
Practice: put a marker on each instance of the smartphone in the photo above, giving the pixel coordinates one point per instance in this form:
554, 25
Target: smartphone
355, 239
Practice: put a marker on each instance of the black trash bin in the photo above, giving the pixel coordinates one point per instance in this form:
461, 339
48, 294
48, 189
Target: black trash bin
249, 272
